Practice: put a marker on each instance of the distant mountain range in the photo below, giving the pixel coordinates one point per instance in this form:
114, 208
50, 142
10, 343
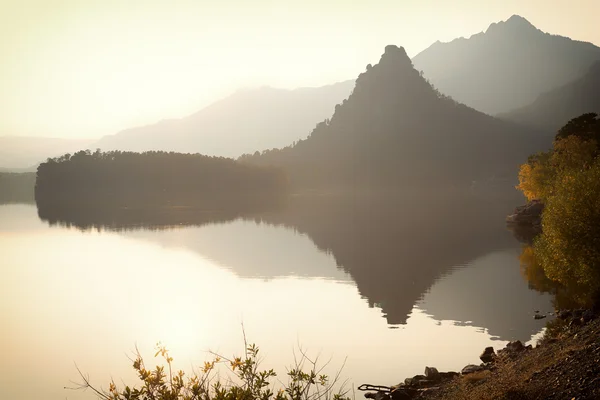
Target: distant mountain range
553, 109
512, 70
23, 153
396, 129
506, 67
246, 121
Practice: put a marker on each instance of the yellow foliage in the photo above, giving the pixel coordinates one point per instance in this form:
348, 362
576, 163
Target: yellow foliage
573, 153
567, 180
535, 177
525, 183
533, 271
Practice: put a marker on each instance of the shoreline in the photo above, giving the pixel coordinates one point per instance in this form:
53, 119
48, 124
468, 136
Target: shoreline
564, 364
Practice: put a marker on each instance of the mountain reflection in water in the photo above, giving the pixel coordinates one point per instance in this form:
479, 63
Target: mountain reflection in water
448, 254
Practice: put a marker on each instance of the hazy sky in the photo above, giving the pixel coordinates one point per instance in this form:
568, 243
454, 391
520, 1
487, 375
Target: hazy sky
86, 68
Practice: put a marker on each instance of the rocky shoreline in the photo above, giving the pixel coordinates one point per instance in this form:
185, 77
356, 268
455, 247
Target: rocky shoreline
565, 364
529, 215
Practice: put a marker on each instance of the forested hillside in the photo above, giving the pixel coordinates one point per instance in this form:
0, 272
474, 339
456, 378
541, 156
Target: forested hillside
152, 178
396, 129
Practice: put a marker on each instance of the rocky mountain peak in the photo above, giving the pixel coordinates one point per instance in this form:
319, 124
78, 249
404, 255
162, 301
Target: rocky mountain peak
395, 55
515, 24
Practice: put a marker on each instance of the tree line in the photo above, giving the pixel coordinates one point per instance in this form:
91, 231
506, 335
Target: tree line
154, 177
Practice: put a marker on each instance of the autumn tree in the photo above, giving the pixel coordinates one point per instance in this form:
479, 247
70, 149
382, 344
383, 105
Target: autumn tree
535, 177
567, 180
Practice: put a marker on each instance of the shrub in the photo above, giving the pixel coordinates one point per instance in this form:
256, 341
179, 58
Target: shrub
305, 381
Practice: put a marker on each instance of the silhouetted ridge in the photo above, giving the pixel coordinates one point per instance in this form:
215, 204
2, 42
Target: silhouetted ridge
396, 129
514, 25
248, 120
555, 108
506, 67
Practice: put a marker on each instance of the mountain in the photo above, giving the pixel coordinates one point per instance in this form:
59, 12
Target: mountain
552, 110
506, 67
396, 129
23, 153
246, 121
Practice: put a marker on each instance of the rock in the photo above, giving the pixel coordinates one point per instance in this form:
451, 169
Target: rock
378, 396
488, 355
425, 383
529, 214
400, 394
404, 394
432, 373
539, 316
515, 346
414, 381
471, 368
448, 375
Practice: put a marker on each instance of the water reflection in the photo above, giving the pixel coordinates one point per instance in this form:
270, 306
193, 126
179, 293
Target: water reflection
251, 249
486, 294
395, 247
334, 274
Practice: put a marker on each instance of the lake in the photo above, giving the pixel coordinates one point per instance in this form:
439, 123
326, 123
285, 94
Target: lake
381, 285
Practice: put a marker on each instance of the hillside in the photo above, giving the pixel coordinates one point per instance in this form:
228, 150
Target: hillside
396, 129
506, 67
246, 121
553, 109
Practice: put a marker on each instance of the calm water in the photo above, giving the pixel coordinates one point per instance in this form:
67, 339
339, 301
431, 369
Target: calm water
392, 285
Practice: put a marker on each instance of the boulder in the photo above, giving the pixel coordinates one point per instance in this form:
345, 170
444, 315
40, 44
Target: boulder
432, 373
414, 381
539, 316
515, 346
471, 368
529, 214
488, 355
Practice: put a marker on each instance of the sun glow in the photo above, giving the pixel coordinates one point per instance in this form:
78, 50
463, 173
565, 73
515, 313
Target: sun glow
89, 68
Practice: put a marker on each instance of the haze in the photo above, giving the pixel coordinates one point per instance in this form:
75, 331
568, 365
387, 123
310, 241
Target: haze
86, 69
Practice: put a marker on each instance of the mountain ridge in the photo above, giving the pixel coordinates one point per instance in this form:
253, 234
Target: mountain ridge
247, 120
507, 66
552, 109
395, 127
